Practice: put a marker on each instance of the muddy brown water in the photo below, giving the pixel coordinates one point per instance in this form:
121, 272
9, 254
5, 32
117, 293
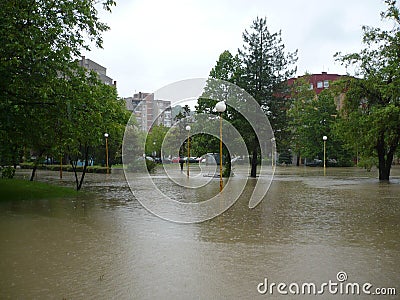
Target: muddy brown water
105, 245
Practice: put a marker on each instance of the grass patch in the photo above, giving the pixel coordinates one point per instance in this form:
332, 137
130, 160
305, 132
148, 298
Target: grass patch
17, 189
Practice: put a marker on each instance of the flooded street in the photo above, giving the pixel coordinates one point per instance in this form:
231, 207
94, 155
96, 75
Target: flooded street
104, 245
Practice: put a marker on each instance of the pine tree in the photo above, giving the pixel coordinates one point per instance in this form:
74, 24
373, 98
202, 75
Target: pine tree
266, 69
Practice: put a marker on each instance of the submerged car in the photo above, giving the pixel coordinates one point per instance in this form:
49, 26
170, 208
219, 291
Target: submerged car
315, 163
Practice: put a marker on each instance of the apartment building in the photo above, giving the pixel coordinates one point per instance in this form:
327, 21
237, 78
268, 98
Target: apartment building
149, 111
99, 69
320, 82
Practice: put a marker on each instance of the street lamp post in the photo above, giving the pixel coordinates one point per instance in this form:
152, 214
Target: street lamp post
188, 149
324, 139
220, 107
106, 136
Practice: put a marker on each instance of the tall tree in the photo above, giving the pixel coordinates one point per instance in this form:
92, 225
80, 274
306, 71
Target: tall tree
228, 71
372, 106
91, 109
302, 98
39, 39
154, 140
266, 70
48, 103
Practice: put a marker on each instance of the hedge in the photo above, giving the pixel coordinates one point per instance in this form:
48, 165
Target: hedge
67, 168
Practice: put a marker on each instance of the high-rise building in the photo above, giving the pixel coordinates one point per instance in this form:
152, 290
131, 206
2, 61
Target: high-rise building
100, 70
149, 111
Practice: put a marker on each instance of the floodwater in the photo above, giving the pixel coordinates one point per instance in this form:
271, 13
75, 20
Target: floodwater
104, 245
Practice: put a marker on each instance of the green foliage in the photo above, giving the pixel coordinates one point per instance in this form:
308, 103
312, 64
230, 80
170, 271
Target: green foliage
48, 103
371, 116
266, 70
151, 166
227, 170
154, 140
259, 68
285, 158
66, 168
368, 162
312, 117
204, 143
8, 172
137, 166
174, 138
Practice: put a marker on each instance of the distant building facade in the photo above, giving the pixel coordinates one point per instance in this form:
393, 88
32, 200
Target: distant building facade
320, 82
100, 70
149, 111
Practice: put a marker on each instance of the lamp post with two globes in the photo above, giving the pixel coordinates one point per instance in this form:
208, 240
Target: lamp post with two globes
220, 107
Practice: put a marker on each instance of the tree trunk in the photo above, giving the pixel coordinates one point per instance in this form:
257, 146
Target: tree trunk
73, 164
384, 172
35, 166
33, 172
84, 168
385, 159
298, 159
253, 172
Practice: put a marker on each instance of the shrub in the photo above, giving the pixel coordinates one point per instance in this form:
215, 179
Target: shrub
227, 170
137, 166
367, 163
8, 172
151, 165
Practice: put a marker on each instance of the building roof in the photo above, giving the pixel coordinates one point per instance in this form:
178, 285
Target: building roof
318, 82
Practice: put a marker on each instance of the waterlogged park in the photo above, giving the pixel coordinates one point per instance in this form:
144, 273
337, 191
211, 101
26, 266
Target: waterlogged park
251, 183
102, 243
199, 226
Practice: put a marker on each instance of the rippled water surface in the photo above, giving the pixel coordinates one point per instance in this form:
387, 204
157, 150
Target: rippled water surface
104, 245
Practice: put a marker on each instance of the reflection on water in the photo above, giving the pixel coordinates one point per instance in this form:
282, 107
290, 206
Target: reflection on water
106, 245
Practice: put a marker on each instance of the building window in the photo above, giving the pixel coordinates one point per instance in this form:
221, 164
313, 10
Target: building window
311, 86
319, 85
326, 83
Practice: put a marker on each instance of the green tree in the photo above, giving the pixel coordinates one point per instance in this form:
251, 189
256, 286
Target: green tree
372, 104
92, 109
266, 70
227, 70
40, 84
313, 116
302, 98
39, 39
154, 140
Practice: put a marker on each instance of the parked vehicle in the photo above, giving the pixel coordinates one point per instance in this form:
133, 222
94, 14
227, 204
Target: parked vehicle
319, 163
166, 160
192, 160
175, 159
211, 159
237, 160
315, 163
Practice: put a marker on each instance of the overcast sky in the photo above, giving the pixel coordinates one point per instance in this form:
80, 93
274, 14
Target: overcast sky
153, 43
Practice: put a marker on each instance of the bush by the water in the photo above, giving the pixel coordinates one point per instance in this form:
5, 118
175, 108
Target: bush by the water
137, 166
8, 172
67, 168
